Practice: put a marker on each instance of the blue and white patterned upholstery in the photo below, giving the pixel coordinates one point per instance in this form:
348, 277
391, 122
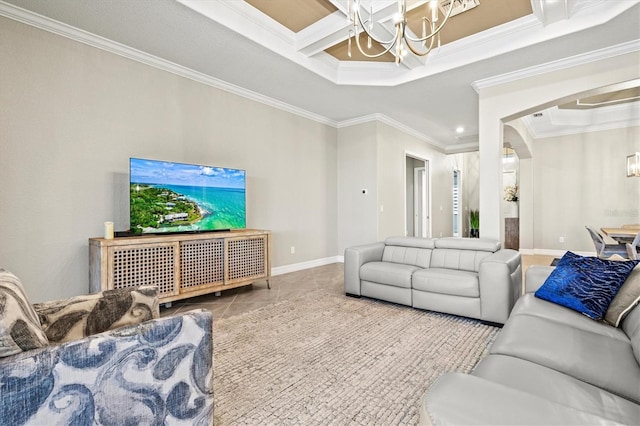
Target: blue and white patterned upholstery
19, 325
153, 373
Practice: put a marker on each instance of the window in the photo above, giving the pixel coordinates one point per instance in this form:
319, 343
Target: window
456, 203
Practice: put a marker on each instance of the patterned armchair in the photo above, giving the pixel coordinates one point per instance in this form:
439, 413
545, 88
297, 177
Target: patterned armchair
103, 359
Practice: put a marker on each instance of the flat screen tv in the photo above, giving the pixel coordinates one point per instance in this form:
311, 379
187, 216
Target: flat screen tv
169, 197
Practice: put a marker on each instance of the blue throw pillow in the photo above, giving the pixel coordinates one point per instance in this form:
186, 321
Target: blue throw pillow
585, 284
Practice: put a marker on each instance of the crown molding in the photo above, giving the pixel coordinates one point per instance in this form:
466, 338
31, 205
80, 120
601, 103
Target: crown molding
64, 30
260, 29
410, 131
561, 64
381, 118
463, 147
33, 19
580, 129
306, 48
30, 18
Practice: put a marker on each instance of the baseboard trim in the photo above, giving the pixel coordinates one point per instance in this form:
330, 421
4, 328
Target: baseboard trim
285, 269
554, 253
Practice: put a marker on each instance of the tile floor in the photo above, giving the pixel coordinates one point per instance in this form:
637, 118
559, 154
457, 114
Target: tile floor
322, 279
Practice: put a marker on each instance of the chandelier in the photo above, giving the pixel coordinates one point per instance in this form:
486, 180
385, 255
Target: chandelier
404, 40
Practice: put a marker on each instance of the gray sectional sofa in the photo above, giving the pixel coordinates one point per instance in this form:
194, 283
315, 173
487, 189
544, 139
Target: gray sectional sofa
462, 276
549, 365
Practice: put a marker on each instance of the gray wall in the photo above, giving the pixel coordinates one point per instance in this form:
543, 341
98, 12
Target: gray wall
571, 181
357, 170
393, 146
580, 180
503, 102
71, 116
372, 155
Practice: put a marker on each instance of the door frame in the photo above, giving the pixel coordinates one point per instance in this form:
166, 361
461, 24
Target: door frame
426, 192
419, 200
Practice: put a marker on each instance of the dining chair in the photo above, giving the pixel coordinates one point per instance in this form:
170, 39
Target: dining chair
606, 250
632, 248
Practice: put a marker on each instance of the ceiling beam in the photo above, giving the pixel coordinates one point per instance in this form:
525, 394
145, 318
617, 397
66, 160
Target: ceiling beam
334, 29
550, 11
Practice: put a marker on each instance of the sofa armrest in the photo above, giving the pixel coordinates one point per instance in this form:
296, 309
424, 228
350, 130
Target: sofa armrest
354, 258
157, 372
535, 276
500, 279
463, 399
81, 316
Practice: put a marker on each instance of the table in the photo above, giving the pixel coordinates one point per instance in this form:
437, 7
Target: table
622, 235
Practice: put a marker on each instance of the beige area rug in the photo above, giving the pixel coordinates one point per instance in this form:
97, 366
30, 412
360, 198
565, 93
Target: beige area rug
326, 359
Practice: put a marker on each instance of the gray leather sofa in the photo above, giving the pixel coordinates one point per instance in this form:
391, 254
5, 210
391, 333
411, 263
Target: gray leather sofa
462, 276
549, 365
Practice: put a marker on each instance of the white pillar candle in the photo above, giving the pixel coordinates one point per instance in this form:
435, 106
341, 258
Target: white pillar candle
108, 230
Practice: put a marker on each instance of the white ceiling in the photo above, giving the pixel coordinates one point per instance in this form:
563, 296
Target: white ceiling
202, 39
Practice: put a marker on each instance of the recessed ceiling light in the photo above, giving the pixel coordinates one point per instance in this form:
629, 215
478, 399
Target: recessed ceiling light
459, 129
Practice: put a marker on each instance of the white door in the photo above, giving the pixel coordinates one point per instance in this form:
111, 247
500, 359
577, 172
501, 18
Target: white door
420, 205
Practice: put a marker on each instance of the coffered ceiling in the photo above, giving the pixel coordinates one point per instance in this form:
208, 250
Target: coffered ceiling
292, 53
298, 16
295, 15
618, 97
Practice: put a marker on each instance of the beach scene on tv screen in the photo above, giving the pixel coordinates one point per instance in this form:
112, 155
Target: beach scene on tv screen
174, 197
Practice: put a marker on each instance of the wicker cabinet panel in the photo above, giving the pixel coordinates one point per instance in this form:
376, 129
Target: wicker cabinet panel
148, 264
201, 263
246, 258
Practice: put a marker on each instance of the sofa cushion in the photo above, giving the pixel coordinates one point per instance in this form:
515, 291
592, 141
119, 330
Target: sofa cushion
424, 243
558, 387
478, 244
395, 274
535, 276
464, 260
447, 281
465, 399
407, 255
530, 305
585, 284
627, 298
631, 327
19, 325
602, 361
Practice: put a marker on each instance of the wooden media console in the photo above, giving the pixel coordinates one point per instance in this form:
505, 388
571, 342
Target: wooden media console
181, 265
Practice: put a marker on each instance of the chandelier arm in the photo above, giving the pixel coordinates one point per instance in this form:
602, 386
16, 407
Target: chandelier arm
364, 28
418, 53
375, 55
433, 32
430, 36
400, 32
